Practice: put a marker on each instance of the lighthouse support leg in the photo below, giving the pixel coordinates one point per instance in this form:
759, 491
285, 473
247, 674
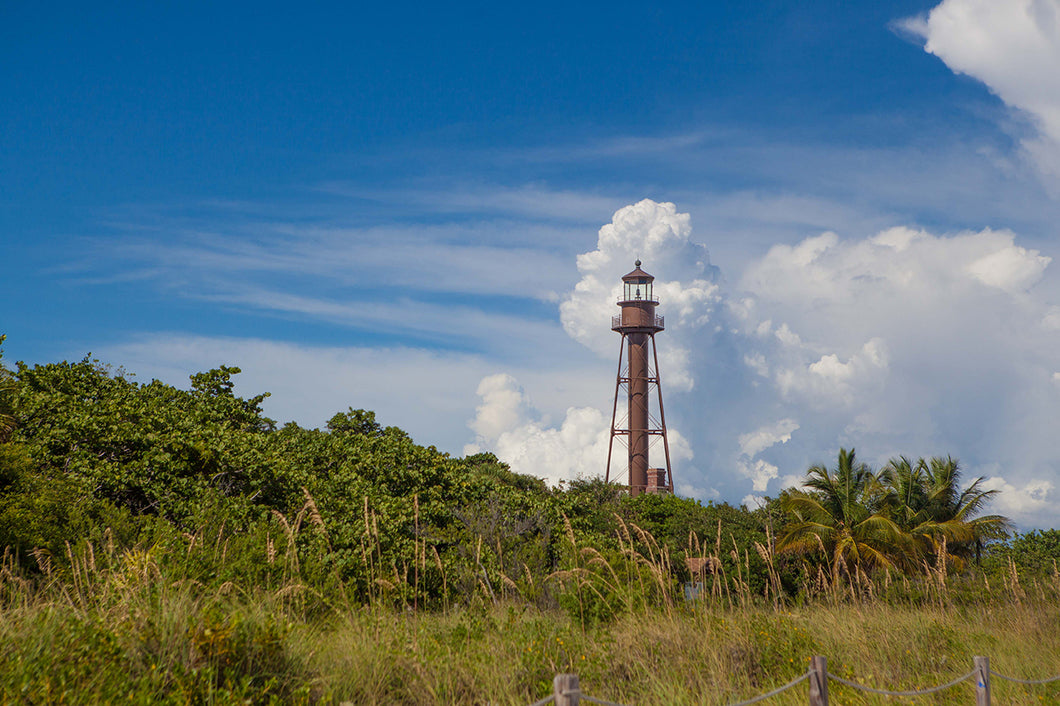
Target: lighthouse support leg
614, 409
662, 416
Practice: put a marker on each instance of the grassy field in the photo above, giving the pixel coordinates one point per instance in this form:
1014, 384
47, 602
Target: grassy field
176, 546
116, 630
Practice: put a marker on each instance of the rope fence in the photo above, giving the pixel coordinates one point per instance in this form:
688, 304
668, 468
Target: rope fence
1025, 681
566, 691
915, 692
762, 697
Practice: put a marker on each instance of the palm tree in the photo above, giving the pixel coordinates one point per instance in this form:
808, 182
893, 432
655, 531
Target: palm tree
837, 510
903, 485
925, 501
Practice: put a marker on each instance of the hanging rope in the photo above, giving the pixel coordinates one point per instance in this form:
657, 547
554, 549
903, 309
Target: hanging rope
887, 692
1025, 681
598, 701
776, 691
833, 677
542, 702
755, 699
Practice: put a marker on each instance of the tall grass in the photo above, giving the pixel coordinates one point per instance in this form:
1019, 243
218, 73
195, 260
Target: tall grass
174, 622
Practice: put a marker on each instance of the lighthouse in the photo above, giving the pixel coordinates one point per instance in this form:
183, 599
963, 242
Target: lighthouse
640, 429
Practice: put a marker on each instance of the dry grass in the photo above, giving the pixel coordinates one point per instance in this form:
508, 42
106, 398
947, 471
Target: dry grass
110, 626
508, 655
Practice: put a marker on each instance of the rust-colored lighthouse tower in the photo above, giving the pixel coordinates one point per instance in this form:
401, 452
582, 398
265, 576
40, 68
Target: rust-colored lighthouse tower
638, 325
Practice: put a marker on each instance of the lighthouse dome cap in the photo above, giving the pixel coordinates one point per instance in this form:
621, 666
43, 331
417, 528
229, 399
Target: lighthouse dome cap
637, 273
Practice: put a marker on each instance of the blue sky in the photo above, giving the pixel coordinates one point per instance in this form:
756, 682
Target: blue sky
399, 207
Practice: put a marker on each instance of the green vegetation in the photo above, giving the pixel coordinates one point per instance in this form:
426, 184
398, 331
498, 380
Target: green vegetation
907, 517
176, 546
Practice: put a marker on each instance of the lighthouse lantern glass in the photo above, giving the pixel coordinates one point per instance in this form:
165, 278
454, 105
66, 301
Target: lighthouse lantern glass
638, 290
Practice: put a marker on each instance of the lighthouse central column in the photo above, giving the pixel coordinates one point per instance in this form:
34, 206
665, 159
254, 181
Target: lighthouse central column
638, 412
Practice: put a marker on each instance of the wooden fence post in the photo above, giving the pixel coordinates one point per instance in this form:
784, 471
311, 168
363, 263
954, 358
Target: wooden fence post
565, 689
819, 681
982, 681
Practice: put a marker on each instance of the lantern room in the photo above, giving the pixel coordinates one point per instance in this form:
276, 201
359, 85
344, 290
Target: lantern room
637, 286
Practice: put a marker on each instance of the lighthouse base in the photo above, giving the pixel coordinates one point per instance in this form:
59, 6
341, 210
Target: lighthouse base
657, 483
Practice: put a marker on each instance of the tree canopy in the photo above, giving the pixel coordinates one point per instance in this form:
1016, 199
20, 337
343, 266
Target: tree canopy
908, 515
87, 453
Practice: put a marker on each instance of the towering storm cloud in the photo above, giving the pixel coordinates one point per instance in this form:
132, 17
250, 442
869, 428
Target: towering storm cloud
901, 342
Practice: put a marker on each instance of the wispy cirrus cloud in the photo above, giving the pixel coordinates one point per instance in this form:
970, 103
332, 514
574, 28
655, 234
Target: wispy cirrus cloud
461, 327
474, 282
536, 202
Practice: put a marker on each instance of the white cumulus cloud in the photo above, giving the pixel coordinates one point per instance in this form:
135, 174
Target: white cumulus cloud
897, 341
658, 235
1013, 47
507, 424
760, 472
1034, 497
757, 441
504, 406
